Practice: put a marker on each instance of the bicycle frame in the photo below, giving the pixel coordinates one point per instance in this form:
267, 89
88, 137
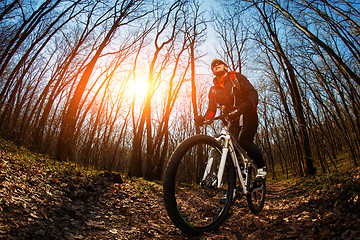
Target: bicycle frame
196, 206
228, 146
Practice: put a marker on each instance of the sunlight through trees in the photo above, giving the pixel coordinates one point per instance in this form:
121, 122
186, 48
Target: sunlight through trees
116, 84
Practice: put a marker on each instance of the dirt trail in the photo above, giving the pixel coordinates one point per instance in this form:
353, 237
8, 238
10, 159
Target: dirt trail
38, 204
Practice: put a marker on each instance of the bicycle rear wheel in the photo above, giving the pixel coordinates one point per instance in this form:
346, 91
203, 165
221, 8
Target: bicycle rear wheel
195, 205
257, 191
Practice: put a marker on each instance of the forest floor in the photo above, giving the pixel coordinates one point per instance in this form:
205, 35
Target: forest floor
42, 199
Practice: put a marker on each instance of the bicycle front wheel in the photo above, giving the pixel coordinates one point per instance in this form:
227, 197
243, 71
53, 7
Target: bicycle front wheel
192, 199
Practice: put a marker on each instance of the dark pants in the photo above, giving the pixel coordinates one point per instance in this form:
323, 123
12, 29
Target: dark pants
246, 134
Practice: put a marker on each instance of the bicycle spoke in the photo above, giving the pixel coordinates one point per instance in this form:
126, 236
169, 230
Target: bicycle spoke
199, 205
192, 198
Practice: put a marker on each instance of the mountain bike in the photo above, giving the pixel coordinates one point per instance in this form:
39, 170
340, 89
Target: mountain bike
200, 182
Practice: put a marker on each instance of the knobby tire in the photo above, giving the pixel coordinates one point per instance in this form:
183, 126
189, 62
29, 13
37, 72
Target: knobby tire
256, 196
193, 207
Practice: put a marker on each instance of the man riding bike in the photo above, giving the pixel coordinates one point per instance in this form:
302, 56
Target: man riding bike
237, 95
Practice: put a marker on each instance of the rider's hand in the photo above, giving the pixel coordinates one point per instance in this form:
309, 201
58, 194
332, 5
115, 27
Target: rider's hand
199, 120
233, 115
243, 108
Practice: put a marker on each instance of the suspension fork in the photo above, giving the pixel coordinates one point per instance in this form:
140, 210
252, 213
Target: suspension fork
224, 154
208, 165
227, 145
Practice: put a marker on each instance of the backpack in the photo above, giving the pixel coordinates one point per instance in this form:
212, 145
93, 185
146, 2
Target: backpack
236, 83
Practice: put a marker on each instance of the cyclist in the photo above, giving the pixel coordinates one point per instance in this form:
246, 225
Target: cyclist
238, 96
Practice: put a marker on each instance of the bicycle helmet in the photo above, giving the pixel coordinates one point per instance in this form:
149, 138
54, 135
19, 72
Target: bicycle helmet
217, 61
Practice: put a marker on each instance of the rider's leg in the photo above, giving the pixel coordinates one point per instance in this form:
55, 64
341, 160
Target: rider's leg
246, 140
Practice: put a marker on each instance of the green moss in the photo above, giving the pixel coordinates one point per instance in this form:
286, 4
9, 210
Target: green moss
30, 161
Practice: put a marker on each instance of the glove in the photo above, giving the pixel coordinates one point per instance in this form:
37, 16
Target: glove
233, 115
199, 120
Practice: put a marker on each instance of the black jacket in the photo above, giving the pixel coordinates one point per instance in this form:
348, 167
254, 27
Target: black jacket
232, 96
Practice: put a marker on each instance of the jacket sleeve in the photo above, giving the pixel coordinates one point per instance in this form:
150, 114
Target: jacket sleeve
211, 111
248, 89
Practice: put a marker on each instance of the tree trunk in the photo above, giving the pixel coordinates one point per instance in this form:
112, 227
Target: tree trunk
66, 141
340, 63
295, 95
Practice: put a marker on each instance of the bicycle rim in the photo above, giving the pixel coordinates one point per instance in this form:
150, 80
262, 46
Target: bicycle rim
200, 205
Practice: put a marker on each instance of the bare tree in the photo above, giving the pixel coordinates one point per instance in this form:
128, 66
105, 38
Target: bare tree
328, 49
19, 39
290, 76
234, 35
66, 140
195, 30
170, 20
8, 111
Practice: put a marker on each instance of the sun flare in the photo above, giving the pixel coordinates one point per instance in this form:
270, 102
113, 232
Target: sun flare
139, 87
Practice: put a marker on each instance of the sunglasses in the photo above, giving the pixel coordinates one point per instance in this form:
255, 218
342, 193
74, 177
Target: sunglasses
216, 64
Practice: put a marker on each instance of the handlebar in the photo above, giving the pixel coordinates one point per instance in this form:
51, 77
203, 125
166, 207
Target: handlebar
223, 117
209, 121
